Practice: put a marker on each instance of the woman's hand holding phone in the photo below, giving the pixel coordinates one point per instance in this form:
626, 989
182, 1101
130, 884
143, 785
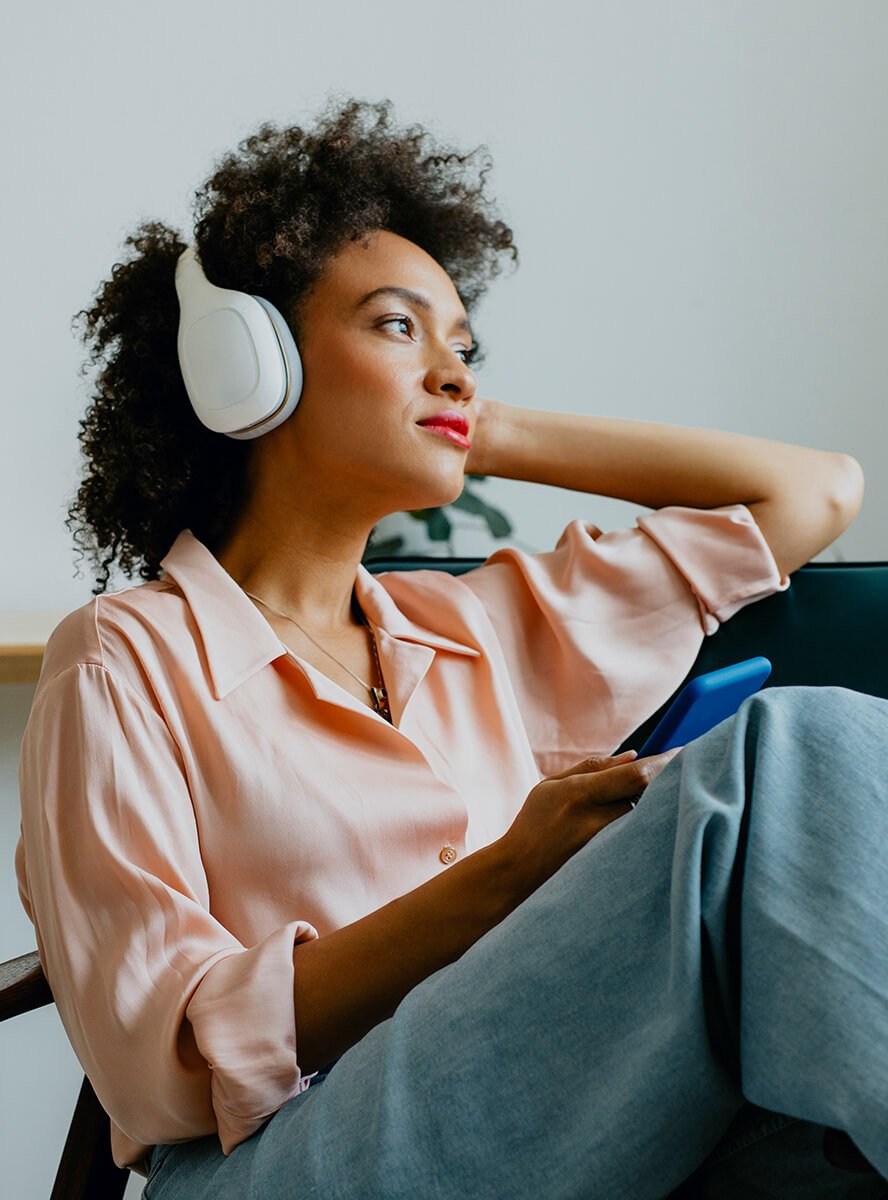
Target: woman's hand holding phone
563, 812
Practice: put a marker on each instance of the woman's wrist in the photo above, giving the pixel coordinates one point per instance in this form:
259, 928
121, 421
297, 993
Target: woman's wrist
492, 431
516, 873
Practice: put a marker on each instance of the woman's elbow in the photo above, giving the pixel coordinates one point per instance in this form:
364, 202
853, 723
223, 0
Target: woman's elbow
810, 512
836, 501
845, 491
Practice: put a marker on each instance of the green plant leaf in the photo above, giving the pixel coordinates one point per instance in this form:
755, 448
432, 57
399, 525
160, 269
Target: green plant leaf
439, 526
497, 521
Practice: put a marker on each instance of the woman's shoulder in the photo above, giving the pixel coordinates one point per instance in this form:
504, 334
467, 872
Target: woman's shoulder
116, 631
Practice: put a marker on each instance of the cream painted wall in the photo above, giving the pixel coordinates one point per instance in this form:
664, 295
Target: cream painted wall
698, 192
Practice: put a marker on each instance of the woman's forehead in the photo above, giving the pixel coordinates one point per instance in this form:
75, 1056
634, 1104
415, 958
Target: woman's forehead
382, 261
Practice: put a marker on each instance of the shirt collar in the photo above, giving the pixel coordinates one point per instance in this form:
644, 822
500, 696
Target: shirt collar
238, 640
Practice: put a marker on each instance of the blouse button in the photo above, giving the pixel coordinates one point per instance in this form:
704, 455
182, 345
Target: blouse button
448, 854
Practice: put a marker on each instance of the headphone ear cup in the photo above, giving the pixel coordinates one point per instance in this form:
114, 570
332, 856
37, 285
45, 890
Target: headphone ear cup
241, 368
289, 354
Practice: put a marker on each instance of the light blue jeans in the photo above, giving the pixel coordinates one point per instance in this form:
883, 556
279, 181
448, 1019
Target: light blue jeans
719, 951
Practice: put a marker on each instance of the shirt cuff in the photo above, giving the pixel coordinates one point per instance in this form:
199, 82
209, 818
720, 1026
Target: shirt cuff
722, 554
243, 1015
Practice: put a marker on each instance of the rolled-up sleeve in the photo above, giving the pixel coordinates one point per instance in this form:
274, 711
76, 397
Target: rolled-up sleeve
597, 633
721, 553
182, 1030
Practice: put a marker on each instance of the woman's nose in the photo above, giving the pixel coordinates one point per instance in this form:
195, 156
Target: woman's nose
455, 379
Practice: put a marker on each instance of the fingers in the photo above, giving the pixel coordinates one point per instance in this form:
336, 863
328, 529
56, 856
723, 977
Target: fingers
597, 762
625, 780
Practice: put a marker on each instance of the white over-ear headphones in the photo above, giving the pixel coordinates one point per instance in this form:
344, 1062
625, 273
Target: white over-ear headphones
240, 364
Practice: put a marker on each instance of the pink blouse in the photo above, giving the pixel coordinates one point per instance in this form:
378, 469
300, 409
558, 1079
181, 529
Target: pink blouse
196, 798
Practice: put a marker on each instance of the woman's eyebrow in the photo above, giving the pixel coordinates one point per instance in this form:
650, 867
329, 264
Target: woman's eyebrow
413, 298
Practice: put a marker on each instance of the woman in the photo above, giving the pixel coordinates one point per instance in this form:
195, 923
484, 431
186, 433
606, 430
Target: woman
335, 881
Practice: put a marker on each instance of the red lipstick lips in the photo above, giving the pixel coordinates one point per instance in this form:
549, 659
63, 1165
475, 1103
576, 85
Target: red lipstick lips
449, 424
449, 419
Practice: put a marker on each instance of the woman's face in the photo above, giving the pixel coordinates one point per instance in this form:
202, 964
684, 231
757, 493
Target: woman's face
373, 367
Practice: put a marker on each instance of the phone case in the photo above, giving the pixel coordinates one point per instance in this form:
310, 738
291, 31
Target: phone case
706, 701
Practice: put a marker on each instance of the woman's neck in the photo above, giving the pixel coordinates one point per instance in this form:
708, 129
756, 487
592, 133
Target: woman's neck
302, 571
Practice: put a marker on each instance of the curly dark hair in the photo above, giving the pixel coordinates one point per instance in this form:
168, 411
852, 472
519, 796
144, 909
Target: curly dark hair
267, 221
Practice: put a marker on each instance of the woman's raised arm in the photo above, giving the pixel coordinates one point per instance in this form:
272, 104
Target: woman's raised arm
802, 499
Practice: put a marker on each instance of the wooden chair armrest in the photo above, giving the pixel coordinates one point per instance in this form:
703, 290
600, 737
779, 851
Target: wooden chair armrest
23, 986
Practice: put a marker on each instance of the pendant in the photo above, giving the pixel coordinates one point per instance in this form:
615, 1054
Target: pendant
380, 699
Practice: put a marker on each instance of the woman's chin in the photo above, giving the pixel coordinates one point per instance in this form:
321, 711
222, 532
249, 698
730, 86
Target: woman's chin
445, 497
435, 494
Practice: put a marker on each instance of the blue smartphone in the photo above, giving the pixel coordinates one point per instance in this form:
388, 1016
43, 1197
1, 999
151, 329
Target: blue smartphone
705, 701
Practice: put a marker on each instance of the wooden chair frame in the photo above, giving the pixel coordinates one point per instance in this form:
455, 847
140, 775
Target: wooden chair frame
86, 1170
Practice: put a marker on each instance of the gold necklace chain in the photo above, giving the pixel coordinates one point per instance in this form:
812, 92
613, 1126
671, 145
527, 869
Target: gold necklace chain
379, 694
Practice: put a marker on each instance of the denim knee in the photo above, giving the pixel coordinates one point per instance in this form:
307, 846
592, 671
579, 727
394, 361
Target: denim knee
806, 700
812, 716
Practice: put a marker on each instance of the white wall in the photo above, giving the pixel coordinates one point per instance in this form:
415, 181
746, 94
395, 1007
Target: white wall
698, 190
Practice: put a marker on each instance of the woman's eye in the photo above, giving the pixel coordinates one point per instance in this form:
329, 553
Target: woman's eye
469, 353
398, 321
